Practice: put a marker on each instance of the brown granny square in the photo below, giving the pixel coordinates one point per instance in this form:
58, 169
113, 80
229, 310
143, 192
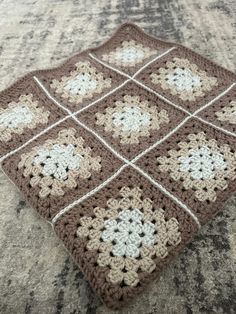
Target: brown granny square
124, 235
126, 149
186, 78
149, 119
79, 81
24, 112
46, 172
130, 48
197, 164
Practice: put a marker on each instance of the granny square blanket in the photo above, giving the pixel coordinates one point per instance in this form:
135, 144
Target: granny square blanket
126, 149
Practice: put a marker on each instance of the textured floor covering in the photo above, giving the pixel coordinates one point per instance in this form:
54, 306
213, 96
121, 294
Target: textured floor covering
36, 273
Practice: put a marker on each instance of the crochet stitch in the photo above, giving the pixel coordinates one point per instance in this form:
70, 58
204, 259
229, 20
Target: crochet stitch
184, 79
58, 163
82, 83
21, 115
131, 119
228, 114
202, 165
129, 54
127, 149
132, 230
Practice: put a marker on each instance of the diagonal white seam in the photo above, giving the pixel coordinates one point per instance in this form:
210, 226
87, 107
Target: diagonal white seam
183, 109
194, 114
132, 78
216, 98
34, 138
109, 66
215, 126
95, 190
131, 163
72, 115
161, 140
127, 163
165, 191
50, 96
101, 98
153, 60
139, 70
84, 108
101, 140
161, 97
183, 122
90, 193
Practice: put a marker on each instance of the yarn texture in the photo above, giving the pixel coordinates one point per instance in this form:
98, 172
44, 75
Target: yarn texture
126, 149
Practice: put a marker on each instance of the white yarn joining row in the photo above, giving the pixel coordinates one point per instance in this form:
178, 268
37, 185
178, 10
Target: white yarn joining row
127, 162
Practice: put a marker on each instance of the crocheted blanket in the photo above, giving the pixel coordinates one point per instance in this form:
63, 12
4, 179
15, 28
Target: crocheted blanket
126, 149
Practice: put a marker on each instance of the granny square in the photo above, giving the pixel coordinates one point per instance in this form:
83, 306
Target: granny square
131, 120
124, 235
130, 49
59, 167
79, 81
127, 149
186, 79
197, 165
24, 112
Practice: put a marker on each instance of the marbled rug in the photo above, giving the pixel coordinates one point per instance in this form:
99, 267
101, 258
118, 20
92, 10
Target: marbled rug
36, 273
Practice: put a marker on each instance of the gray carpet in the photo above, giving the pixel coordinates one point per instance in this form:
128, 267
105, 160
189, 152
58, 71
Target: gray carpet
36, 273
